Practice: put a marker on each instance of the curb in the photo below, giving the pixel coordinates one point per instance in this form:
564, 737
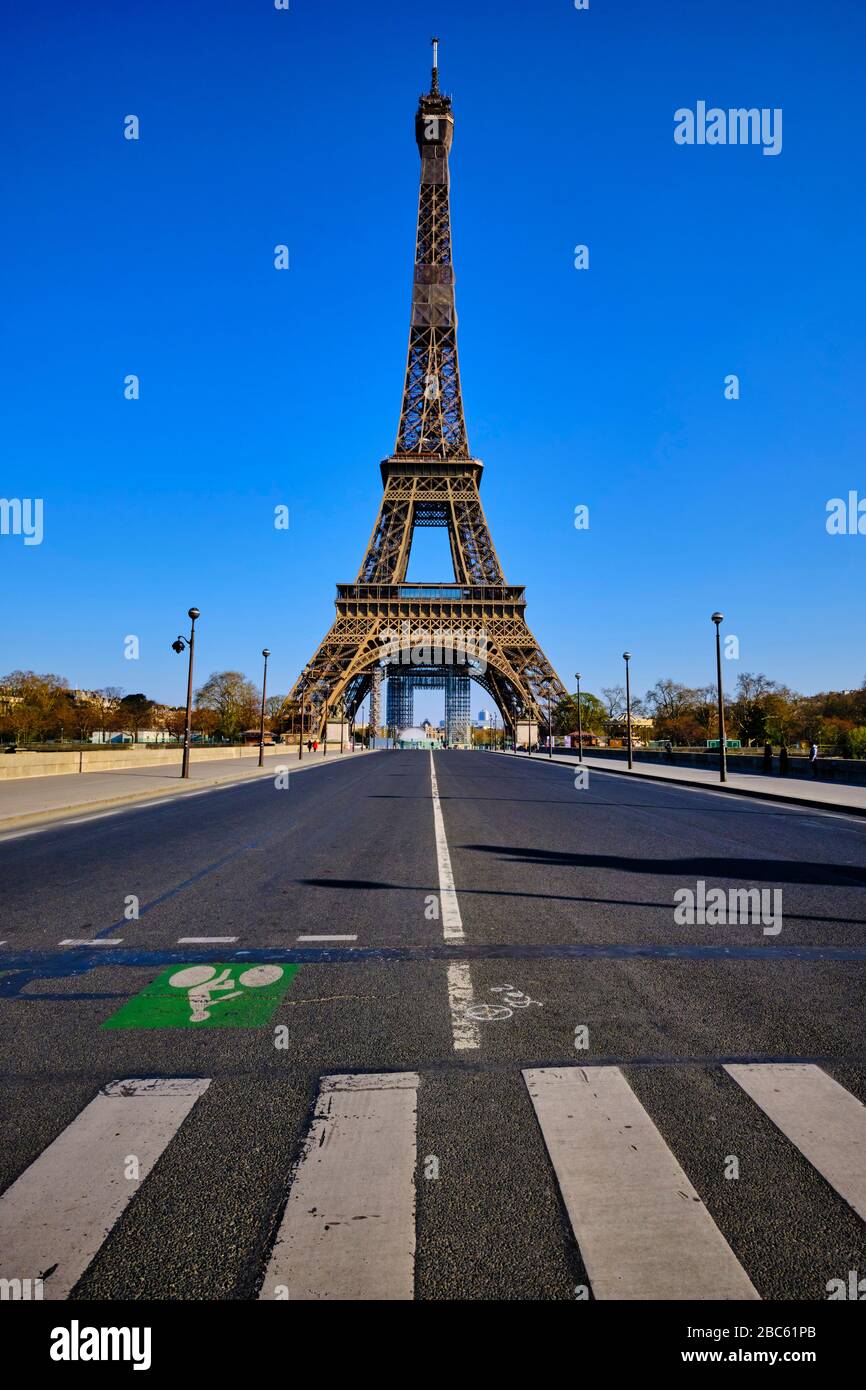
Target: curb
59, 813
726, 790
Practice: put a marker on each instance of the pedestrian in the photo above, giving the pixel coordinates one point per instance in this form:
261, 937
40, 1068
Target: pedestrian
315, 745
768, 757
783, 760
309, 745
669, 749
813, 759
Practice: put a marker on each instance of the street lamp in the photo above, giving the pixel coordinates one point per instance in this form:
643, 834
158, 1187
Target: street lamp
626, 656
549, 721
265, 654
179, 645
579, 726
718, 619
528, 728
302, 687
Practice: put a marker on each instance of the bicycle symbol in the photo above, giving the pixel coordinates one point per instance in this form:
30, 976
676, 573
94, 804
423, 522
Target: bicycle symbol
201, 982
512, 998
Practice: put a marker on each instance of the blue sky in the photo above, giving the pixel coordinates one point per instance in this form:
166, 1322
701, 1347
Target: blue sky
602, 387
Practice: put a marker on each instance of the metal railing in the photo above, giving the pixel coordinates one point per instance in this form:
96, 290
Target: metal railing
432, 593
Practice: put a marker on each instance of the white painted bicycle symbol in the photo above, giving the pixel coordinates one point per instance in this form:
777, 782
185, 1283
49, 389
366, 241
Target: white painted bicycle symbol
201, 982
512, 998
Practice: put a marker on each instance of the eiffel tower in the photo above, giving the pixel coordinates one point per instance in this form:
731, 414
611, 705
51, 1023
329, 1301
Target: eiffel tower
437, 634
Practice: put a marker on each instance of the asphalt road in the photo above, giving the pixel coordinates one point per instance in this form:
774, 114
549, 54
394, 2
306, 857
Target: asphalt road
565, 910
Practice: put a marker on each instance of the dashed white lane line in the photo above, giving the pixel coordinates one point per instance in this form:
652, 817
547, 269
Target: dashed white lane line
204, 940
58, 1213
827, 1123
97, 941
642, 1229
327, 938
452, 924
348, 1231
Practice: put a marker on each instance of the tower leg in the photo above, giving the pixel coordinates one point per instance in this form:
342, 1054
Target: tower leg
375, 704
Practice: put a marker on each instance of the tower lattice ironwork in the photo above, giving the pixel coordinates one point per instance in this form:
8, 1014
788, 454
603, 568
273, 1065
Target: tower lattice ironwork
475, 623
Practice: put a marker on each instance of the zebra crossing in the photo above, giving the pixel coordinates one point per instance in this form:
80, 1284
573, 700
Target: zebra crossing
348, 1227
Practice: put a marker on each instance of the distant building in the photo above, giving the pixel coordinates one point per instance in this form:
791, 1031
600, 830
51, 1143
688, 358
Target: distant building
414, 737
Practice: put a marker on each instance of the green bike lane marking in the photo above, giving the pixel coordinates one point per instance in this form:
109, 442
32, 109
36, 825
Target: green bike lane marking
207, 996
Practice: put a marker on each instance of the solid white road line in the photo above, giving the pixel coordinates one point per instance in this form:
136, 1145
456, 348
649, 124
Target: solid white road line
62, 1207
452, 924
827, 1123
97, 941
327, 938
460, 992
348, 1231
464, 1033
641, 1227
203, 940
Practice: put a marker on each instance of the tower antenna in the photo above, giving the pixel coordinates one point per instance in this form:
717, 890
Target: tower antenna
434, 87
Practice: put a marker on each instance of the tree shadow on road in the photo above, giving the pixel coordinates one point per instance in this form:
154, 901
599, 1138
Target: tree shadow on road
777, 871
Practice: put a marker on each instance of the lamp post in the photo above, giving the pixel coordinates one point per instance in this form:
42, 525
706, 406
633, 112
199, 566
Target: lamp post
718, 619
529, 729
550, 721
303, 686
579, 725
626, 656
181, 644
265, 654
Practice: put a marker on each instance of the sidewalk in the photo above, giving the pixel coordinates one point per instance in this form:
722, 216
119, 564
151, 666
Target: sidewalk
34, 800
828, 796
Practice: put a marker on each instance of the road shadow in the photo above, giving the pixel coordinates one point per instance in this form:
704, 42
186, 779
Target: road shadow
775, 871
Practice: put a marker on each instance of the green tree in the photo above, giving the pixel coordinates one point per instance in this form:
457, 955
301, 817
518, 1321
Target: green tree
592, 714
134, 713
852, 744
234, 699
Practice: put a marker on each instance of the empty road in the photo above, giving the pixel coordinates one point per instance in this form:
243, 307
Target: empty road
434, 1027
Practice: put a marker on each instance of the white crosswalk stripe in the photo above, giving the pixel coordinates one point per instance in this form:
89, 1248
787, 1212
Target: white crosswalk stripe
825, 1122
641, 1227
57, 1214
349, 1227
